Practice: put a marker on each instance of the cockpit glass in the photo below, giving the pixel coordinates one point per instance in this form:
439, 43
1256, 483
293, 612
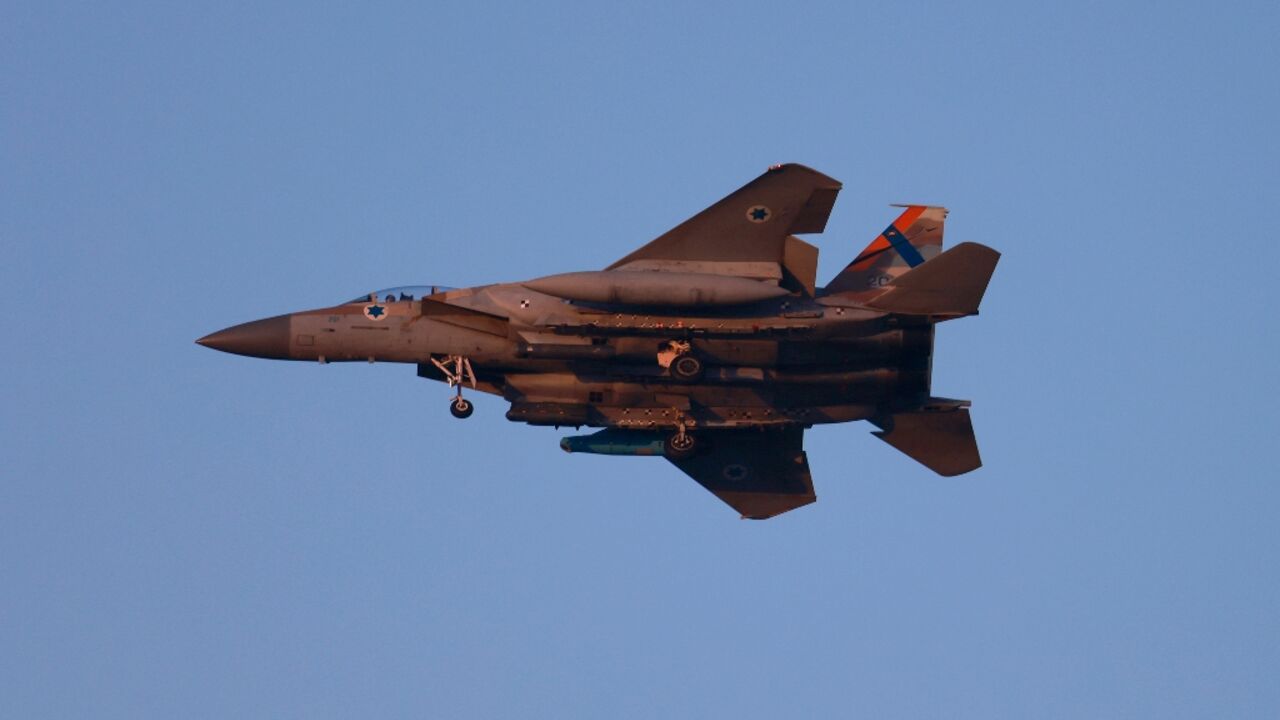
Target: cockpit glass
404, 293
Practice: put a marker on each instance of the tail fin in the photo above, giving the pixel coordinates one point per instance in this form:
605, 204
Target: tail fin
952, 284
916, 236
942, 441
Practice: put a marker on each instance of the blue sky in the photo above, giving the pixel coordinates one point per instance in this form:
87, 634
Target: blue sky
187, 533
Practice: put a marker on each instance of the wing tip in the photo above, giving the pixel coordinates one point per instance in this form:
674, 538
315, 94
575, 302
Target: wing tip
785, 167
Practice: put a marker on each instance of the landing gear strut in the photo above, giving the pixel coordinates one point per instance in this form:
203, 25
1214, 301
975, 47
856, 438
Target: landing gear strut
457, 370
682, 443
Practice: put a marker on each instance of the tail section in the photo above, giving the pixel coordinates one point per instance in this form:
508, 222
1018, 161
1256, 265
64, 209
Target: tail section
916, 236
951, 285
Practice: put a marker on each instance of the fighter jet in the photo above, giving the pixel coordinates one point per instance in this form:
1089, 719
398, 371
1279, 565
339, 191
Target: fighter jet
710, 346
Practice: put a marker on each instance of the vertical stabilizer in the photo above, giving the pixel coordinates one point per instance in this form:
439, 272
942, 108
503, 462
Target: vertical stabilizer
914, 238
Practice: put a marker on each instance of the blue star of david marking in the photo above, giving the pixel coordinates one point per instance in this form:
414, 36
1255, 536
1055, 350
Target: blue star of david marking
759, 213
375, 311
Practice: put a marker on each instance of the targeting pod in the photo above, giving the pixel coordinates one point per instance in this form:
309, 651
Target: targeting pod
612, 441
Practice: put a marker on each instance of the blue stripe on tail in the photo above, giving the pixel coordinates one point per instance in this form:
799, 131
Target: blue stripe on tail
904, 248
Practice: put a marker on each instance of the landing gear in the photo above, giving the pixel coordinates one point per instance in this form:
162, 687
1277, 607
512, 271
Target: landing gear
457, 370
680, 445
677, 357
686, 367
461, 408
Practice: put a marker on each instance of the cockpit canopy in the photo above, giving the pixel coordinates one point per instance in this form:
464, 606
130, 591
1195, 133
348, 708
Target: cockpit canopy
402, 293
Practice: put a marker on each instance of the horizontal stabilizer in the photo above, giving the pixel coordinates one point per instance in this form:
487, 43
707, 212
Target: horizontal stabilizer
941, 441
953, 284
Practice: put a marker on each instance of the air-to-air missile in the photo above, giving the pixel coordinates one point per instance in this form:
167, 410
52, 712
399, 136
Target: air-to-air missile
712, 345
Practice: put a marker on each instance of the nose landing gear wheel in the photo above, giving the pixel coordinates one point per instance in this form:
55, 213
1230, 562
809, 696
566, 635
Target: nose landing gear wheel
687, 368
457, 371
680, 445
461, 408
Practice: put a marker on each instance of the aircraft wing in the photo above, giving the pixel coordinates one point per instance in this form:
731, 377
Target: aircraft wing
759, 473
745, 234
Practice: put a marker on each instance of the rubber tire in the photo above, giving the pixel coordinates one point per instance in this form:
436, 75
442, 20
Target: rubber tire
686, 368
461, 408
688, 447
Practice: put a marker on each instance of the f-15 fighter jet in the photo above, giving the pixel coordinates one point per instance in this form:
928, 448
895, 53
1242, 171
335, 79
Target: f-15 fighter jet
710, 346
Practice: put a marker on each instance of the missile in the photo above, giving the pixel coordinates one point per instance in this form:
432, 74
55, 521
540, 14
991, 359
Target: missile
635, 287
612, 441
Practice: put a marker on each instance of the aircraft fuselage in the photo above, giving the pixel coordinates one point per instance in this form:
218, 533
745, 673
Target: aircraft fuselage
778, 362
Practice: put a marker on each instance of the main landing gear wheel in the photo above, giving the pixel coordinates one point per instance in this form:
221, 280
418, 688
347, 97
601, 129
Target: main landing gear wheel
680, 445
687, 368
461, 408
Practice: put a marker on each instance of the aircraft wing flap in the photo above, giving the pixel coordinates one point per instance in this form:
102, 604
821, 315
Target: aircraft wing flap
759, 473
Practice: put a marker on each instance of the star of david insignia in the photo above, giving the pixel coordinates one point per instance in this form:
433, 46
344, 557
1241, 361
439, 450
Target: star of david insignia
734, 472
759, 214
375, 311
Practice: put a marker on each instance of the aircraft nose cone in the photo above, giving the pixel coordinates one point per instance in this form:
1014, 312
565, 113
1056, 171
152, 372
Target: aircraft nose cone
267, 338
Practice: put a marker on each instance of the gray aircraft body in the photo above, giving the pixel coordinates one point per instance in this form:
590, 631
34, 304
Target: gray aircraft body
710, 346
